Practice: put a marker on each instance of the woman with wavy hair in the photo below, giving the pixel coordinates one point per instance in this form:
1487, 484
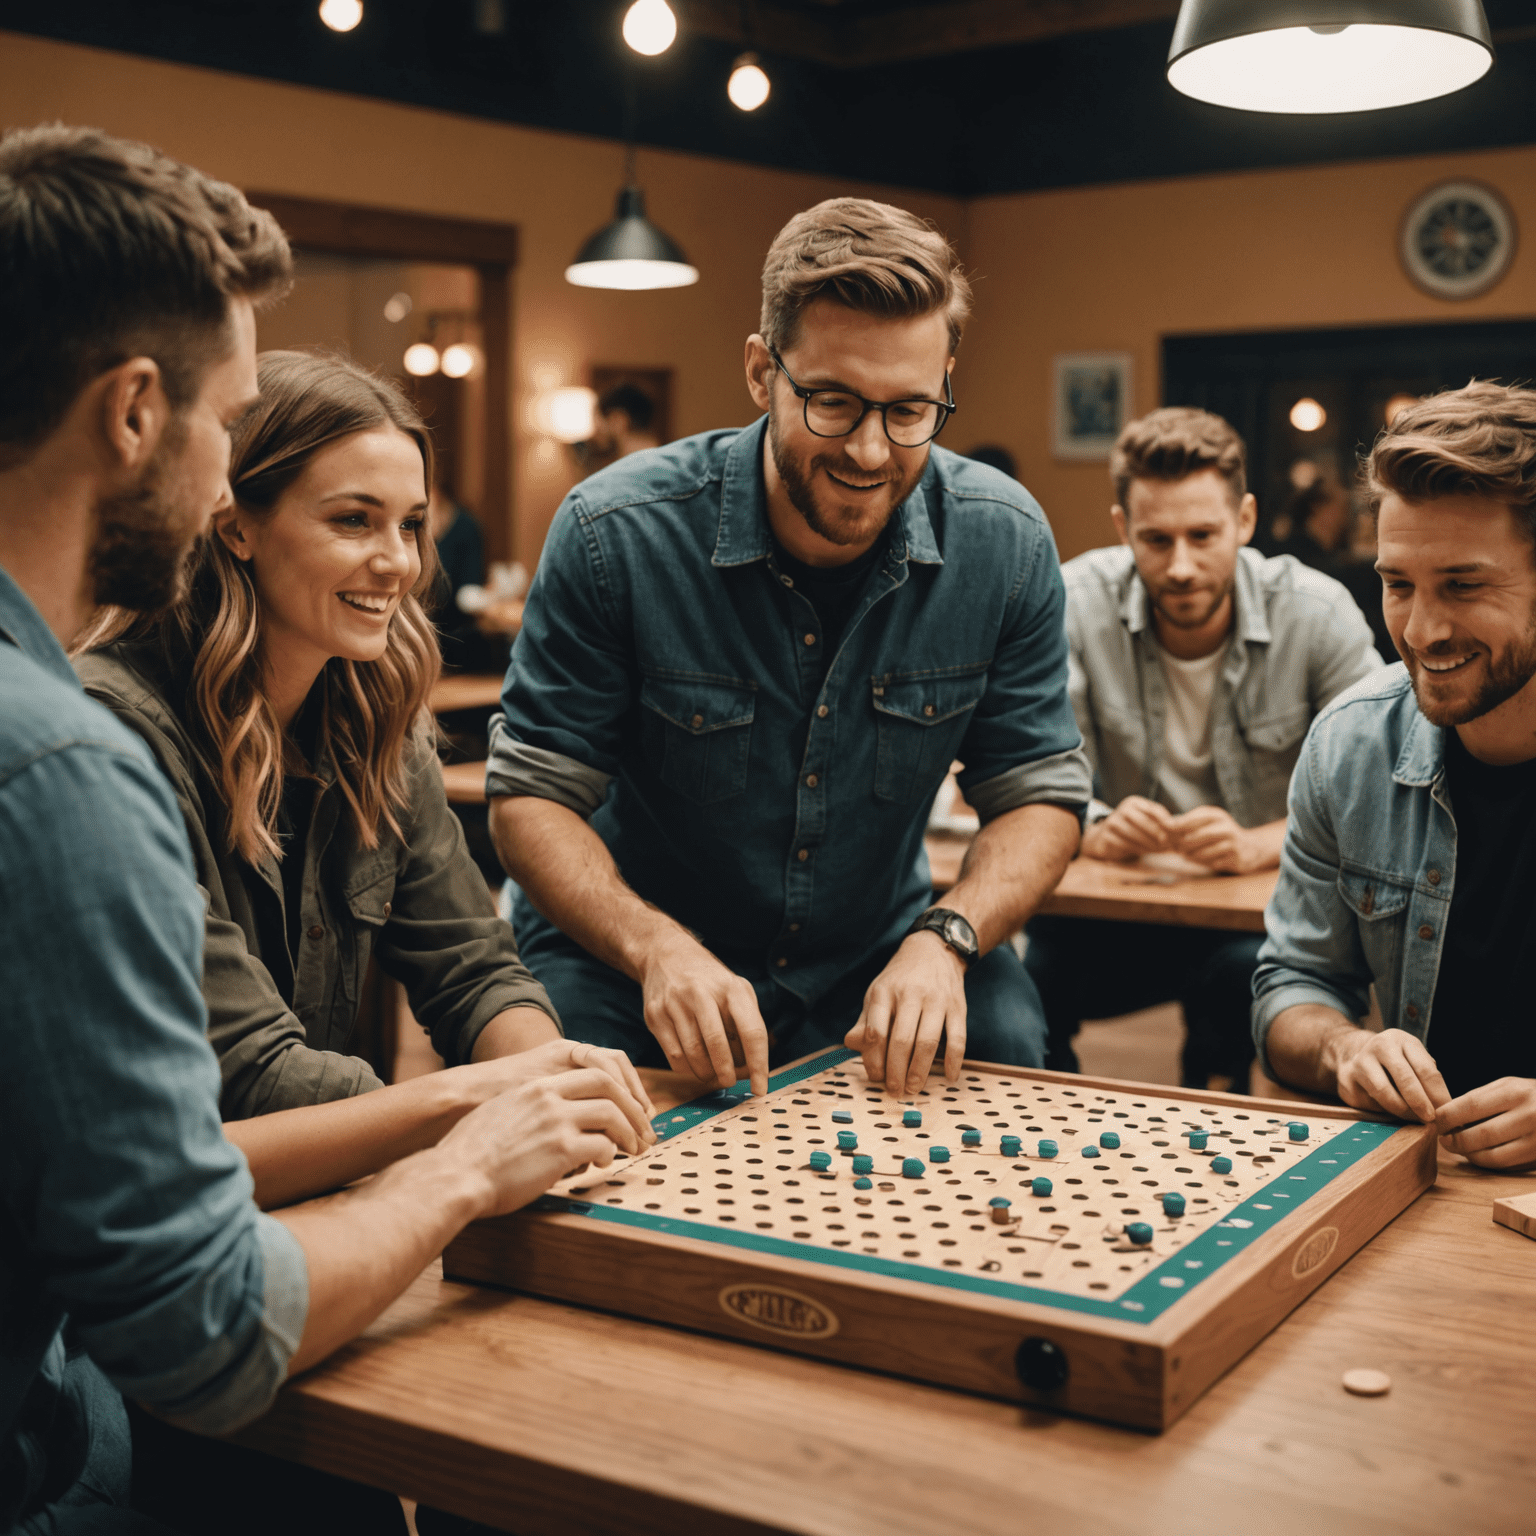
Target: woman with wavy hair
285, 697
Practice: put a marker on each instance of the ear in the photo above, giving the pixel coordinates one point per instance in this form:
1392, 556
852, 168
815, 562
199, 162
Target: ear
1122, 523
760, 370
133, 412
226, 525
1247, 518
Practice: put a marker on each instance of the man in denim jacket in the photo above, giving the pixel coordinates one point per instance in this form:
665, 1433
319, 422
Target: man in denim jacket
1412, 840
747, 661
1197, 666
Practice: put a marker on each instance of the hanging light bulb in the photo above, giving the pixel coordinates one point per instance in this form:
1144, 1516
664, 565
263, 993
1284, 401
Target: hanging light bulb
460, 360
341, 15
748, 86
631, 253
1307, 415
650, 26
1314, 56
421, 359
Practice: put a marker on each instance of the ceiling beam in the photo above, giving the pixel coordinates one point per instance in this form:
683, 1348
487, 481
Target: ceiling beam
849, 38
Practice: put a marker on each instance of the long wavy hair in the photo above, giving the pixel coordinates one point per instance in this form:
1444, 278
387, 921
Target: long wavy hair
212, 637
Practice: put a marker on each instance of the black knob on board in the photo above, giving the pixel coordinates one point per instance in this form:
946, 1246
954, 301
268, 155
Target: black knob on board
1042, 1365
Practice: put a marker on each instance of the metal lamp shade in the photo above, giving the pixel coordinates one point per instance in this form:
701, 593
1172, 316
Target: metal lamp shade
1309, 56
630, 253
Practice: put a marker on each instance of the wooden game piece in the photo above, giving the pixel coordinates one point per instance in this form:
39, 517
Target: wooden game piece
718, 1227
1298, 1130
863, 1163
1518, 1213
1197, 1140
1221, 1165
821, 1161
846, 1141
1092, 1150
1364, 1383
1012, 1146
1110, 1139
1047, 1148
970, 1138
842, 1117
938, 1154
912, 1118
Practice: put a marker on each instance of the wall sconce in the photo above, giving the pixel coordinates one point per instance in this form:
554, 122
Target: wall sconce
568, 415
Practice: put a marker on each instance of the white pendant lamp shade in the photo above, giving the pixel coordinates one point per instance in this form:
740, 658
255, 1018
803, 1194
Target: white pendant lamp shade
631, 253
1327, 55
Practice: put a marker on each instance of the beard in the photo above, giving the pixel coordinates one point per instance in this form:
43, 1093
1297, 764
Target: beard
145, 536
1507, 674
1204, 617
837, 525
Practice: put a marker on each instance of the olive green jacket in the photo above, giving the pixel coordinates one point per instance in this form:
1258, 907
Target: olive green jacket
279, 1023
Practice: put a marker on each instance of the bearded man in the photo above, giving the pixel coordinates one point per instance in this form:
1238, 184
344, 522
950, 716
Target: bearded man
747, 662
1413, 817
1197, 666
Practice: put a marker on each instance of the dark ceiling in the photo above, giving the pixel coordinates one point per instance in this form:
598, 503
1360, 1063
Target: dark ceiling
967, 97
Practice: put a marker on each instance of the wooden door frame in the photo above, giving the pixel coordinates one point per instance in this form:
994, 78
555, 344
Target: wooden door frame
352, 229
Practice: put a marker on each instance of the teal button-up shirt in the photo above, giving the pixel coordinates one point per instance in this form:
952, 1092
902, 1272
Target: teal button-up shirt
670, 682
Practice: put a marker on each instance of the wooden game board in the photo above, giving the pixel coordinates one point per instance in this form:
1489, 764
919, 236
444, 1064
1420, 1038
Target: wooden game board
725, 1226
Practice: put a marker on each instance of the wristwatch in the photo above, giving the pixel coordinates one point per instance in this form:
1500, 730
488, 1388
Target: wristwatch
952, 928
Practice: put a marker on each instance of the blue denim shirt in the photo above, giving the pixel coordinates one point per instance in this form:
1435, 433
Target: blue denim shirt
1368, 866
669, 683
123, 1209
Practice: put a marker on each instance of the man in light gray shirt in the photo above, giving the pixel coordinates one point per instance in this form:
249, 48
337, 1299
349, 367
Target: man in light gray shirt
1196, 668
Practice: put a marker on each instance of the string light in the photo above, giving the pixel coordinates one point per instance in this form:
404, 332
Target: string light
421, 359
748, 87
460, 360
1307, 415
396, 307
649, 27
341, 15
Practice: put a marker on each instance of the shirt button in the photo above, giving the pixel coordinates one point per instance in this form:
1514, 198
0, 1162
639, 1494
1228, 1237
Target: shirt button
1425, 931
803, 855
317, 932
810, 639
698, 720
781, 962
822, 711
388, 908
927, 709
794, 927
810, 781
1433, 877
787, 582
1412, 1010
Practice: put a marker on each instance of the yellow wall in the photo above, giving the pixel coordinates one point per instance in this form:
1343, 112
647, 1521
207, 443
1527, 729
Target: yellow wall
557, 187
1090, 269
1115, 268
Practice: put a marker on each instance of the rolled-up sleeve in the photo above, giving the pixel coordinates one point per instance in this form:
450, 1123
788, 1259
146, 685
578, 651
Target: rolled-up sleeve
1312, 951
135, 1213
1023, 746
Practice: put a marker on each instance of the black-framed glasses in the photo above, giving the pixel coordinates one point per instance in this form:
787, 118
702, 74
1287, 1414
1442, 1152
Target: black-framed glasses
838, 412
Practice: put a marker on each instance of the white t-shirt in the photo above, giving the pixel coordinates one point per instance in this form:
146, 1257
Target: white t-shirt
1187, 777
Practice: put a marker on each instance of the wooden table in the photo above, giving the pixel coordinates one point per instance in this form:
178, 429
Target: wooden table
465, 690
547, 1419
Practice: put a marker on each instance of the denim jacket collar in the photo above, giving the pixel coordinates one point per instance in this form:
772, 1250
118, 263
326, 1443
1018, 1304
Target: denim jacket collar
744, 535
26, 629
1250, 623
1422, 760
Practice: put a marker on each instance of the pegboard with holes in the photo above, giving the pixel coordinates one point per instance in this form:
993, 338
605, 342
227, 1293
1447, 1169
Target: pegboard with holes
1014, 1214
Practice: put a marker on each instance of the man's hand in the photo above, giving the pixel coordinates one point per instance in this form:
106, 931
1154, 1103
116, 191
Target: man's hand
917, 998
1210, 836
1493, 1126
485, 1079
522, 1141
704, 1016
1135, 826
1391, 1072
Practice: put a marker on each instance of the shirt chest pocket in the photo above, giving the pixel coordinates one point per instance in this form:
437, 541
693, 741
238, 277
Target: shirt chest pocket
1380, 910
1274, 744
369, 898
919, 724
697, 735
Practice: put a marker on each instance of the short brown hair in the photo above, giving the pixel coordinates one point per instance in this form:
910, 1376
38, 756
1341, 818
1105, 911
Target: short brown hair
110, 250
1174, 443
1476, 441
868, 256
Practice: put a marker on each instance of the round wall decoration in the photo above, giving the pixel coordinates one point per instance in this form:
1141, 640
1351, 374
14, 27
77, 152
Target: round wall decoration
1458, 239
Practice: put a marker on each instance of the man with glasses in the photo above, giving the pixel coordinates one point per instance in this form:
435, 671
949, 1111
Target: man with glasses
746, 665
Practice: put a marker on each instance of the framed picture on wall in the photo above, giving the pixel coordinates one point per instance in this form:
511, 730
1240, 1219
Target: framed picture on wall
1093, 401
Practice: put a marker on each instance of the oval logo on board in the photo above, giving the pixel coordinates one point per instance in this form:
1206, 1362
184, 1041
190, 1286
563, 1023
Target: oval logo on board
779, 1311
1314, 1252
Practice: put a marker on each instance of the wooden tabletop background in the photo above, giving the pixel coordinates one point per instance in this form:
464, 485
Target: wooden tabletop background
548, 1419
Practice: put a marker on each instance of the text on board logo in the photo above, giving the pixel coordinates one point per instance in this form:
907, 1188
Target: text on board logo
1314, 1252
779, 1311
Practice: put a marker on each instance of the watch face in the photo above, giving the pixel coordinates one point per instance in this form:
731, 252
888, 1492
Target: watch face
1458, 239
959, 933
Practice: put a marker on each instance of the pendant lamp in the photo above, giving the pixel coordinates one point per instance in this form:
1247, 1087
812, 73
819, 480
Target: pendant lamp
631, 253
1310, 56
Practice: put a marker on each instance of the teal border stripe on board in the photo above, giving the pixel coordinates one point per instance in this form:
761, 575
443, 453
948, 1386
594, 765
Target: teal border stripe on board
1144, 1302
675, 1121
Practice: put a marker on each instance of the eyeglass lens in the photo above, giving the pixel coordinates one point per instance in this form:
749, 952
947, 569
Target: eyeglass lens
908, 423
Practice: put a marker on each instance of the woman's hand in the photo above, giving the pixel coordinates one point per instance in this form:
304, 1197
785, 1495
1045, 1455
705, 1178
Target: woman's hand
483, 1080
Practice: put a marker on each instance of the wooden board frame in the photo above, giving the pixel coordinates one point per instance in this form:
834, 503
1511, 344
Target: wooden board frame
1144, 1374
